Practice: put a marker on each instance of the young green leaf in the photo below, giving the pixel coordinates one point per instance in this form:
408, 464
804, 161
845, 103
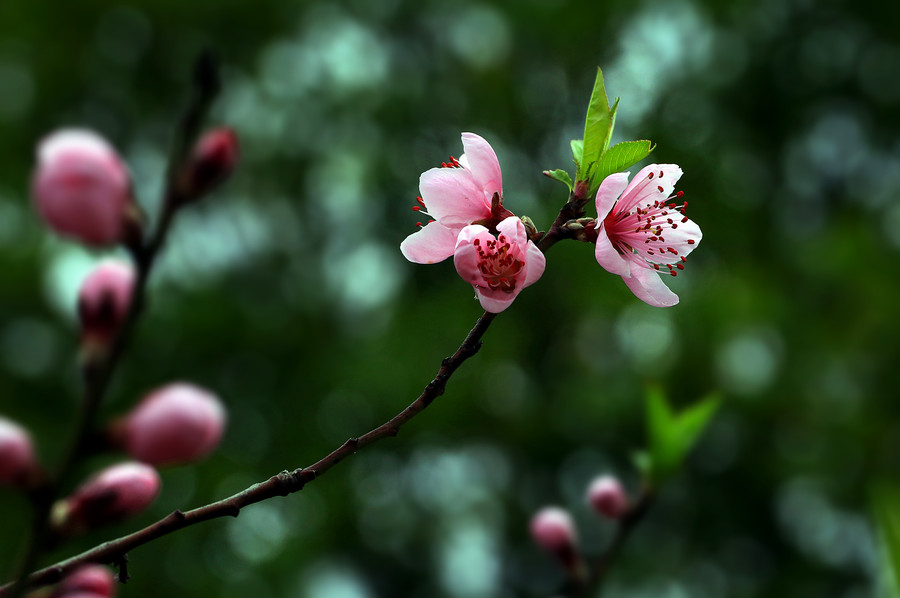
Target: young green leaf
560, 175
886, 509
671, 436
619, 157
598, 126
577, 146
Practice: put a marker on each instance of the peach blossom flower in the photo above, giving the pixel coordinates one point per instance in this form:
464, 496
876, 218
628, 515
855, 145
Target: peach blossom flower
498, 267
642, 230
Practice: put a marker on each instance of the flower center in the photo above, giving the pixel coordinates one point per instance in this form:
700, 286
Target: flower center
497, 264
640, 233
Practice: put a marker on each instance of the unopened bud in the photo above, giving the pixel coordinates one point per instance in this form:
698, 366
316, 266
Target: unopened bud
111, 495
89, 580
82, 189
104, 300
212, 160
18, 465
606, 496
178, 423
553, 530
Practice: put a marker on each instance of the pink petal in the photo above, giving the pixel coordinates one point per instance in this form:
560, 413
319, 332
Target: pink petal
432, 243
482, 162
610, 190
493, 301
608, 257
452, 197
465, 256
643, 190
513, 228
647, 286
534, 264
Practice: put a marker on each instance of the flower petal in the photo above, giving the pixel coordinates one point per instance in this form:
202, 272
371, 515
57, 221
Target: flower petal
644, 190
494, 302
648, 286
452, 197
608, 257
535, 262
482, 162
465, 255
610, 190
513, 228
432, 243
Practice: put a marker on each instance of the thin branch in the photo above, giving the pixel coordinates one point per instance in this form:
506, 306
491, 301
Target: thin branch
282, 484
630, 520
97, 373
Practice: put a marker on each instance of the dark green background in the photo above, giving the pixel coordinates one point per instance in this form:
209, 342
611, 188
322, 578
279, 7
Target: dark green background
286, 293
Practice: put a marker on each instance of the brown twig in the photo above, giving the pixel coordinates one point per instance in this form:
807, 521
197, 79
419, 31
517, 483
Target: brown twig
282, 484
601, 566
97, 372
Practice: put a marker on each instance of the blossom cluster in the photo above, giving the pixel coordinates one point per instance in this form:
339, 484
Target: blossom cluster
641, 230
489, 244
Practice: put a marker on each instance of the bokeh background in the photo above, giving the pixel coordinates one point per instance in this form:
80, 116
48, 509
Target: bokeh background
287, 295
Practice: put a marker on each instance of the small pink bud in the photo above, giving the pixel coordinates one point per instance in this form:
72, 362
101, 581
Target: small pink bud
104, 300
89, 580
18, 465
606, 496
82, 188
178, 423
212, 160
111, 495
553, 530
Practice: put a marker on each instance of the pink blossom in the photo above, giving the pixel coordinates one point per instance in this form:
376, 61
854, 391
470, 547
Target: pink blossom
81, 187
178, 423
553, 530
642, 230
607, 497
460, 193
17, 460
104, 300
212, 160
88, 580
498, 267
113, 494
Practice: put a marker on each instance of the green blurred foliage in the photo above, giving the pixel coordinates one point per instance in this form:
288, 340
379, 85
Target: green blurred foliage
287, 295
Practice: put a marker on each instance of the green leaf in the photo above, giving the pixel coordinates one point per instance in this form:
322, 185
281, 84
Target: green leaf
618, 158
886, 508
577, 146
598, 126
560, 175
671, 436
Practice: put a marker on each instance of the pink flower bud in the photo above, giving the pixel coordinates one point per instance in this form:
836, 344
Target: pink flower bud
17, 461
606, 496
178, 423
104, 300
553, 530
89, 580
212, 160
82, 188
111, 495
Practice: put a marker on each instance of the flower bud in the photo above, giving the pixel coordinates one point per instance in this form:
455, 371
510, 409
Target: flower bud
89, 580
606, 496
111, 495
18, 465
178, 423
212, 160
82, 189
104, 300
553, 530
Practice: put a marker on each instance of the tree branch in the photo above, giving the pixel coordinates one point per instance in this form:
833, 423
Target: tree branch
282, 484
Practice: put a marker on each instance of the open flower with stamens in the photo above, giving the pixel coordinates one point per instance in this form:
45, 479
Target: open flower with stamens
642, 230
459, 193
498, 267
